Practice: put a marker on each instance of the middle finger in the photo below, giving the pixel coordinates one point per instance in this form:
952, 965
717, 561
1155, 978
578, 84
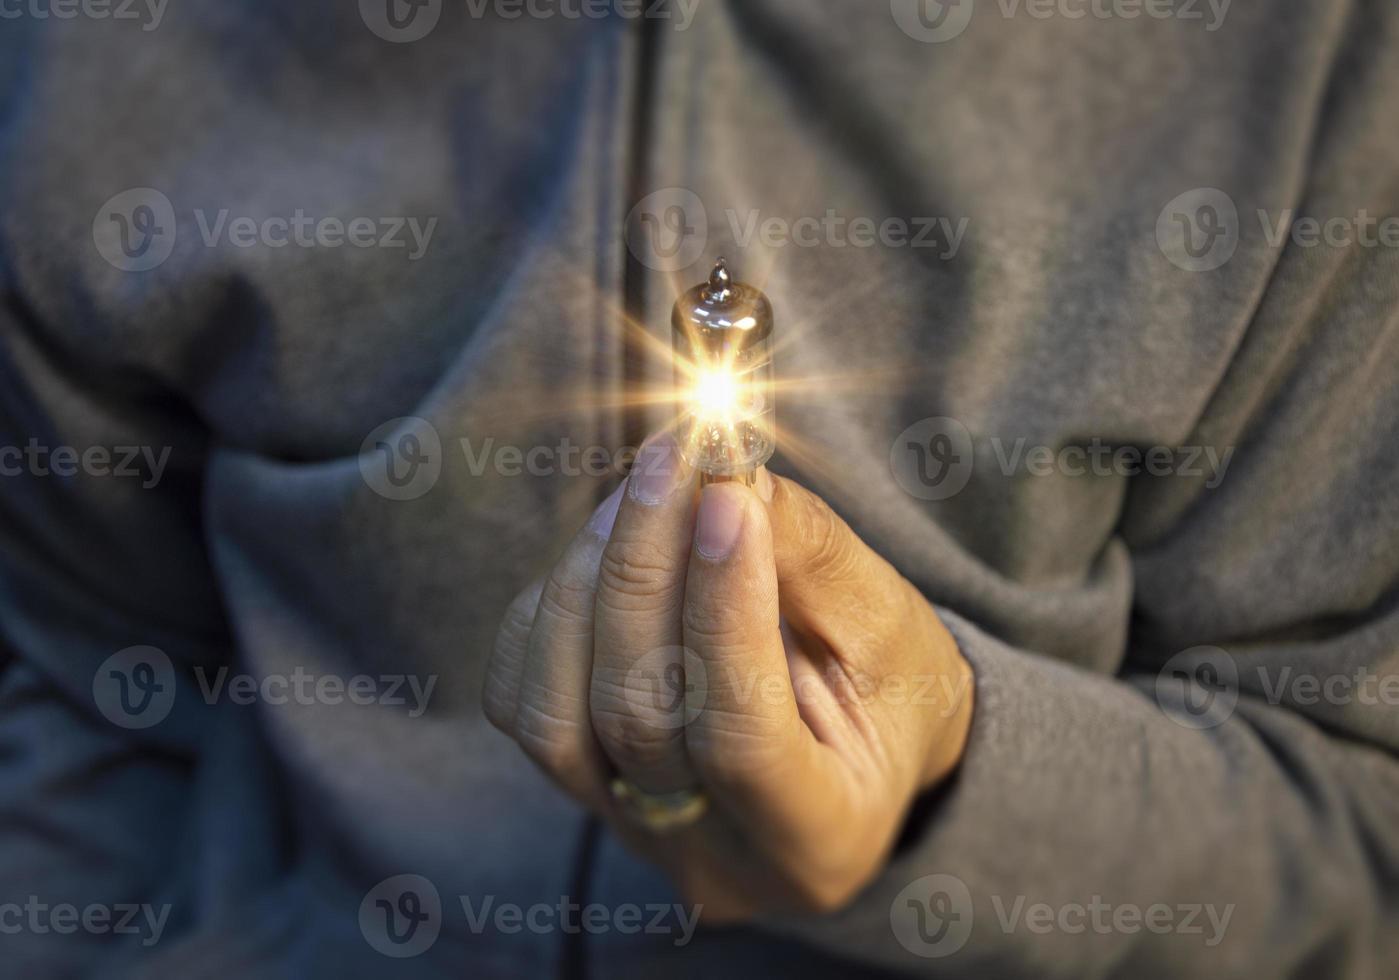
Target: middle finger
638, 689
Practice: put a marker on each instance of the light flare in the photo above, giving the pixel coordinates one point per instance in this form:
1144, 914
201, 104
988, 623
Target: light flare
678, 389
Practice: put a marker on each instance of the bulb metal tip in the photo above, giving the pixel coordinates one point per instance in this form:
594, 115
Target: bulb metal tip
720, 286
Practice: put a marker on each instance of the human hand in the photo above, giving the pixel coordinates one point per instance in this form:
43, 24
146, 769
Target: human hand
813, 694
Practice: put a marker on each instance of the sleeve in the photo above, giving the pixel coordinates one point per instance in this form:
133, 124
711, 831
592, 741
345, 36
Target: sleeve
1224, 800
99, 553
1155, 824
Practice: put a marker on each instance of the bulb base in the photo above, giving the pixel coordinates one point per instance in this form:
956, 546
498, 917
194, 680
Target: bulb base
748, 478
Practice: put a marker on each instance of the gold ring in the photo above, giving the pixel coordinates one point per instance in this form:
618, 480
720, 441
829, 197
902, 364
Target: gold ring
659, 812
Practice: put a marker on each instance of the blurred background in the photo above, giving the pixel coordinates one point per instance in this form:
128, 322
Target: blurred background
326, 325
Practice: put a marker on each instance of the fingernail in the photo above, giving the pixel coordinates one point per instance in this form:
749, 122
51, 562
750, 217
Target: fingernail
606, 514
720, 520
657, 471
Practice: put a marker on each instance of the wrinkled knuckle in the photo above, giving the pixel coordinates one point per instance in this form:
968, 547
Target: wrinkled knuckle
506, 664
710, 628
632, 738
634, 575
553, 743
512, 638
498, 703
571, 587
567, 600
734, 749
519, 616
831, 555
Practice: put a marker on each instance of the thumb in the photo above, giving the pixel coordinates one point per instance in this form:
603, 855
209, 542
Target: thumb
747, 739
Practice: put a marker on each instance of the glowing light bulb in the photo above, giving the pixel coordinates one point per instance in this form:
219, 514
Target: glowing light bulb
715, 395
723, 345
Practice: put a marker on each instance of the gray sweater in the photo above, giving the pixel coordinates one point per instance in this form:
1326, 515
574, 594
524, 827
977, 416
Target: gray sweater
1182, 756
